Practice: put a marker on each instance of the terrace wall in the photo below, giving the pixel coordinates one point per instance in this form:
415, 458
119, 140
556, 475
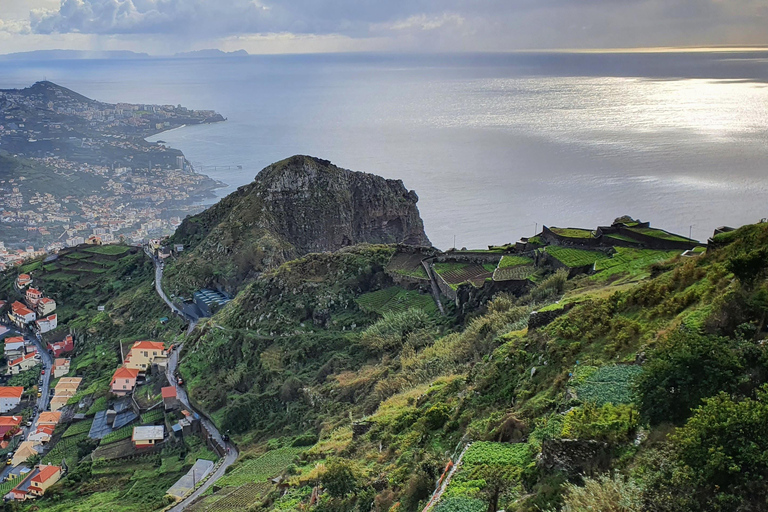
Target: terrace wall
660, 244
546, 259
478, 258
554, 239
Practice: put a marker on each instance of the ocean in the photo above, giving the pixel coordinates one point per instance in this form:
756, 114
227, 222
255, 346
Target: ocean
495, 145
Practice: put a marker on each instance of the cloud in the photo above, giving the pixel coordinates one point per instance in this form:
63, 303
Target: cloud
423, 24
14, 26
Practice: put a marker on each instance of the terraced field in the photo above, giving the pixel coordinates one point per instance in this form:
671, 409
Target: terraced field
574, 258
408, 265
660, 233
634, 262
240, 498
260, 469
395, 299
458, 273
573, 232
519, 272
608, 384
514, 261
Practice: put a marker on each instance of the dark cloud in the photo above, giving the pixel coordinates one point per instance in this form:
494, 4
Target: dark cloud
429, 24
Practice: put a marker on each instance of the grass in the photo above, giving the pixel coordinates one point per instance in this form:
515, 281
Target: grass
260, 469
608, 384
659, 233
574, 258
417, 272
443, 268
514, 261
395, 299
573, 232
108, 250
80, 427
635, 263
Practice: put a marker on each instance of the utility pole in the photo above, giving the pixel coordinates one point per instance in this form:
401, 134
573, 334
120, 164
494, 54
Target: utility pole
690, 230
536, 228
454, 242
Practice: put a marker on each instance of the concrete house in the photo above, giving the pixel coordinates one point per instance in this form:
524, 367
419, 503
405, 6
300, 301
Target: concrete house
14, 347
10, 397
21, 315
36, 482
145, 353
170, 398
146, 437
46, 306
9, 425
23, 363
47, 324
23, 280
33, 296
60, 367
124, 380
51, 418
61, 347
25, 450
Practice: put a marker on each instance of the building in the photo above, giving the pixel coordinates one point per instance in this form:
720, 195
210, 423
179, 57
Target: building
23, 280
49, 418
36, 482
21, 315
47, 324
124, 380
65, 389
10, 426
145, 353
46, 306
42, 434
146, 437
170, 397
61, 347
10, 397
33, 296
14, 347
22, 364
25, 450
60, 367
210, 301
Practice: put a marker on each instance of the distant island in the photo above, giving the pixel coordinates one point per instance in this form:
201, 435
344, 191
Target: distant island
72, 168
120, 55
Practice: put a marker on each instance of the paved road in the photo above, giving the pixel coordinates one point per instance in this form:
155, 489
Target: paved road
170, 372
230, 457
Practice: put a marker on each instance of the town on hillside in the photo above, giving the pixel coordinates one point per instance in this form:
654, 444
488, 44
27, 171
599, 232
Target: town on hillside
50, 402
74, 169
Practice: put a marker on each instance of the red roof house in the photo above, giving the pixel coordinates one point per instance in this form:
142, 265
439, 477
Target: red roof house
63, 346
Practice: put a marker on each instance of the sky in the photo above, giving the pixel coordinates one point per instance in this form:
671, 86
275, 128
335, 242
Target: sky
162, 27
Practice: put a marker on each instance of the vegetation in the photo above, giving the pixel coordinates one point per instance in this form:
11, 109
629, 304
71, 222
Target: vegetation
575, 258
573, 232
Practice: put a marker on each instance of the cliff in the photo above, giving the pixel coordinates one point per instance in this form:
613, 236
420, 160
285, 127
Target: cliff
294, 207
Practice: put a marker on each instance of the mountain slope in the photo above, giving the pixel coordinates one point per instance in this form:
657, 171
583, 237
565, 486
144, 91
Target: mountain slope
293, 207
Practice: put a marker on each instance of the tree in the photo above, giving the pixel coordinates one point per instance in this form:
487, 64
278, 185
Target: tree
499, 478
339, 478
684, 368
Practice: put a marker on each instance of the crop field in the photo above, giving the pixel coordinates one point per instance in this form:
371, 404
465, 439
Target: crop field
461, 504
574, 258
395, 299
407, 265
608, 384
65, 449
117, 435
463, 273
241, 497
658, 233
81, 427
109, 250
260, 469
505, 454
153, 416
514, 273
573, 232
624, 238
635, 262
115, 450
514, 261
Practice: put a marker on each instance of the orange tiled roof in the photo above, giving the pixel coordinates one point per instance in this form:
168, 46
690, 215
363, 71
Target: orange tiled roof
46, 472
11, 391
15, 339
149, 345
125, 373
168, 392
10, 421
49, 417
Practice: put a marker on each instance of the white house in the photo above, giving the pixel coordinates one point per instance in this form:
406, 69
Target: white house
10, 397
48, 323
23, 364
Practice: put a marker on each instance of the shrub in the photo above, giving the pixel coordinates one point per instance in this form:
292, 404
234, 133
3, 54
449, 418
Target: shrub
339, 478
604, 493
392, 330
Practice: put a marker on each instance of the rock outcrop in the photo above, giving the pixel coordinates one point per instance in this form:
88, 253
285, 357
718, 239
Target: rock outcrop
298, 206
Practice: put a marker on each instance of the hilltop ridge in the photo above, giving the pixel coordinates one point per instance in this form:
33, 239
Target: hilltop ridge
294, 207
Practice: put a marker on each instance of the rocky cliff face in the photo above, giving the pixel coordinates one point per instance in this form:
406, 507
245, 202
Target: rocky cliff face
294, 207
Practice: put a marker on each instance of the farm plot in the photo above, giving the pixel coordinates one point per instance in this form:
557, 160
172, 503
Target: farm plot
574, 258
461, 504
117, 435
65, 449
260, 469
457, 273
241, 497
514, 261
660, 233
635, 262
81, 427
608, 384
108, 250
395, 299
573, 232
517, 273
407, 265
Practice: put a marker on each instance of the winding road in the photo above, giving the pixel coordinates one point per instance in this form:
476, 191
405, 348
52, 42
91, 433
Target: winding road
170, 372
